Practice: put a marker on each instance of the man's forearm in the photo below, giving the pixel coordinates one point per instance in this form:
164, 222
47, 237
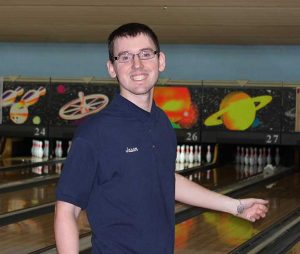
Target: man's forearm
194, 194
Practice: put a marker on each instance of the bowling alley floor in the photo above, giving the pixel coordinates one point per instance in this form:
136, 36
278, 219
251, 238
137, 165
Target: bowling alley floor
208, 232
214, 232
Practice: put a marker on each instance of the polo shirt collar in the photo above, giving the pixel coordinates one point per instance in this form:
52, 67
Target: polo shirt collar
131, 109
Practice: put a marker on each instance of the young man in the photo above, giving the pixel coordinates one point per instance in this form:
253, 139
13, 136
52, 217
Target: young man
121, 164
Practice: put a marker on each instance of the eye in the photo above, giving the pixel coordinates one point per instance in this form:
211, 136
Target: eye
146, 53
124, 57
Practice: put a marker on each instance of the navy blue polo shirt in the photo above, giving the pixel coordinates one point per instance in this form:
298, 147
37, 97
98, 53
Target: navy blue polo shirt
121, 170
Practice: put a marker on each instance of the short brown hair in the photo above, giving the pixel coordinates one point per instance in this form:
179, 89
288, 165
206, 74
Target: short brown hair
130, 30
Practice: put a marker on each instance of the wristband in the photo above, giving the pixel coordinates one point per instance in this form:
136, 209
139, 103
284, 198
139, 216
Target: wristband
240, 208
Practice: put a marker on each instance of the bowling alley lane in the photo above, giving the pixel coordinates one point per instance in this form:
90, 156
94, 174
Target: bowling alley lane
10, 178
215, 178
226, 179
27, 197
27, 191
33, 234
31, 196
45, 193
214, 232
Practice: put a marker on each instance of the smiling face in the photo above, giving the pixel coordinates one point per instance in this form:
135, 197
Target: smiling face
137, 77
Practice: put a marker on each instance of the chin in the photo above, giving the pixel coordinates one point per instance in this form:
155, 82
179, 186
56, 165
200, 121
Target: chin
141, 92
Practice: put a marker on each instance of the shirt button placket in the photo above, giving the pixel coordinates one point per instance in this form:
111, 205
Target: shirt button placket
151, 137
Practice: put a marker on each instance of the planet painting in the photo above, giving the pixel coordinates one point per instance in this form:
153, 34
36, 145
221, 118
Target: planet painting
177, 103
238, 111
19, 113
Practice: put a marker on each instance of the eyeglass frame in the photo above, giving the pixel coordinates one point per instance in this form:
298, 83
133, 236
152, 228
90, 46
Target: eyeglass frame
155, 52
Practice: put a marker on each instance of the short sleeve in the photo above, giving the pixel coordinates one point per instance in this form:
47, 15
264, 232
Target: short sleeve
78, 174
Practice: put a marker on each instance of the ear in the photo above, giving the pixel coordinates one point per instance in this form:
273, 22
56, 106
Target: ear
161, 61
111, 69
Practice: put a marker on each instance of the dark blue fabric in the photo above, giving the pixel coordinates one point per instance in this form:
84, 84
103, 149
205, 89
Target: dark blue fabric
121, 170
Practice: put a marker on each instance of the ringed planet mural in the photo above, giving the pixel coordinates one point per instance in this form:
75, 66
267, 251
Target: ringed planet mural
238, 111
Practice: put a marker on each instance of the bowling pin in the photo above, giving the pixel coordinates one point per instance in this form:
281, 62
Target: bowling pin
196, 153
260, 157
39, 151
191, 155
269, 158
199, 154
32, 148
182, 154
277, 157
255, 156
58, 149
187, 153
46, 148
246, 158
178, 154
251, 157
208, 154
264, 157
242, 156
237, 155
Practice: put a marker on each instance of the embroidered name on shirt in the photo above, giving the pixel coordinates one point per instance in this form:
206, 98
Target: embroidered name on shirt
132, 150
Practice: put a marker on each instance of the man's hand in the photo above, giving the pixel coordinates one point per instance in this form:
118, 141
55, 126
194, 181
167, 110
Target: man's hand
252, 209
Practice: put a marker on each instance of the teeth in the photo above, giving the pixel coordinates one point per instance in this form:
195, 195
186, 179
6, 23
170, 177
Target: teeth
138, 77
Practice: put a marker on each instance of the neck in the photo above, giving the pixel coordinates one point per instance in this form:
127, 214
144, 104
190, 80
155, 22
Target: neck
143, 101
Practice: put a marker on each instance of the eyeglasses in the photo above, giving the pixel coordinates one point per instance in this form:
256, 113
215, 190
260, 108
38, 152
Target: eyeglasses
144, 54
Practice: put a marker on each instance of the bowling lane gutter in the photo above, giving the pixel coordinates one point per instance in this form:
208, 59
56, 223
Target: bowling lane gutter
27, 213
15, 185
28, 163
237, 189
277, 238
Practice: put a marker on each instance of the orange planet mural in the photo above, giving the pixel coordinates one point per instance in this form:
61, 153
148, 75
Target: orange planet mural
177, 103
238, 110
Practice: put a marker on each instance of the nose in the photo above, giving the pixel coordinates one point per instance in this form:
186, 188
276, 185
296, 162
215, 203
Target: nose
136, 62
